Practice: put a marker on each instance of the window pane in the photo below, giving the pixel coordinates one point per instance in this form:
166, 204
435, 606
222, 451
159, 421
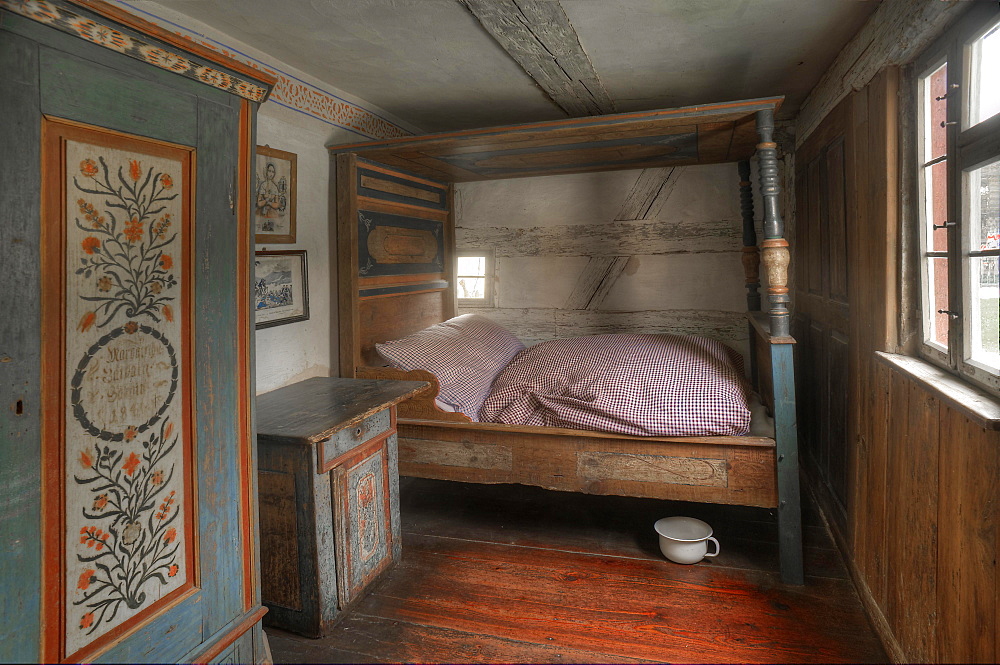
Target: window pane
936, 206
472, 287
984, 93
984, 314
983, 290
472, 265
935, 114
984, 207
936, 299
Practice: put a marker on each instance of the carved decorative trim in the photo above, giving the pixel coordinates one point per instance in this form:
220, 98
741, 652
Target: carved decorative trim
50, 13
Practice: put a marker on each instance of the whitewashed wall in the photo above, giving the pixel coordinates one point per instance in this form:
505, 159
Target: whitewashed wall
297, 351
655, 250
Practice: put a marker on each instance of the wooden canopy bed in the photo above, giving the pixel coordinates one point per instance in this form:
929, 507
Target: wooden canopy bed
396, 266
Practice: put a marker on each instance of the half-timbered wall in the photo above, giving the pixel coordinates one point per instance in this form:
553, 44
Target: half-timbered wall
649, 250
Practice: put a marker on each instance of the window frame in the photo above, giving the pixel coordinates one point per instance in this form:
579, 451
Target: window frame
968, 148
490, 278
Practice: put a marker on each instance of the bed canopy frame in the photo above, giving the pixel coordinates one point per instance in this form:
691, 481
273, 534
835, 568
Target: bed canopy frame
396, 266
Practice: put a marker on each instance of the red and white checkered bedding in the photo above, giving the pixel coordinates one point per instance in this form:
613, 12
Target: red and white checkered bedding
646, 385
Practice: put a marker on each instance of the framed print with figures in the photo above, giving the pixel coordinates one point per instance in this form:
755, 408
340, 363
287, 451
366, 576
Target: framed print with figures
281, 289
274, 196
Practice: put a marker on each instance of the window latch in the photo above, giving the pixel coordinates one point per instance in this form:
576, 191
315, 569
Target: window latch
946, 225
945, 123
953, 86
951, 314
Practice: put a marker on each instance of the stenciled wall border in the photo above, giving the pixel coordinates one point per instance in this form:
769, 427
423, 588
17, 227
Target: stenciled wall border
291, 91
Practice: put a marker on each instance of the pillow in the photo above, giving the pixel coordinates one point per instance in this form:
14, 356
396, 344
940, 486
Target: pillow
465, 353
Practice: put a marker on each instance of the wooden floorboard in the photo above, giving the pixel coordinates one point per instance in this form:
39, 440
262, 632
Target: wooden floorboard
520, 574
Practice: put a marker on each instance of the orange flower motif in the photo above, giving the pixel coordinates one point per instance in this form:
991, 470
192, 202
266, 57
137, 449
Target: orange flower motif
87, 621
86, 321
90, 244
172, 570
157, 478
168, 313
130, 433
104, 283
166, 181
155, 287
170, 535
167, 432
93, 537
133, 229
85, 460
131, 464
165, 506
166, 262
134, 169
88, 167
131, 327
160, 226
86, 577
101, 501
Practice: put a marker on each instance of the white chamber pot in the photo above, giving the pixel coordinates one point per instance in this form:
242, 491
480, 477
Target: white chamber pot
685, 539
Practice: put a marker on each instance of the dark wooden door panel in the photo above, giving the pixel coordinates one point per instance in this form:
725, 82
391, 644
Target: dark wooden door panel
836, 220
823, 304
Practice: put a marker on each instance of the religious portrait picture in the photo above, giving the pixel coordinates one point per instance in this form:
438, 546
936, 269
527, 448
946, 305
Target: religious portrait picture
274, 196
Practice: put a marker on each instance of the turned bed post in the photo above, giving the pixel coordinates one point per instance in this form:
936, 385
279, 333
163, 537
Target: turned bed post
775, 257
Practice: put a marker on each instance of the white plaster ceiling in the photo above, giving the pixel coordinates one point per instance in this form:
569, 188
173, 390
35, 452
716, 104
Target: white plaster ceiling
430, 63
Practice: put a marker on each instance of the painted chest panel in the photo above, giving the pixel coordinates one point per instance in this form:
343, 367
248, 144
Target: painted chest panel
364, 532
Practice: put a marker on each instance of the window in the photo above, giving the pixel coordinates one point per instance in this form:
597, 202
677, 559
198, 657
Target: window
474, 278
958, 167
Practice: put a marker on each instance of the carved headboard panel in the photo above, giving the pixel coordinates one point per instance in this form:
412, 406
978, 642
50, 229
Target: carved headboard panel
396, 239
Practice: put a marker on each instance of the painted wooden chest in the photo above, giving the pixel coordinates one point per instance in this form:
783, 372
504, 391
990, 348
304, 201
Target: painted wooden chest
329, 496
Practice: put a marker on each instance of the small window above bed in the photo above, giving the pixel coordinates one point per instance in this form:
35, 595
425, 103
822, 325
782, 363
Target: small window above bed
474, 277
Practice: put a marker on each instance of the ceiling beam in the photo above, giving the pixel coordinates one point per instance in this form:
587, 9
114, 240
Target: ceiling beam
539, 36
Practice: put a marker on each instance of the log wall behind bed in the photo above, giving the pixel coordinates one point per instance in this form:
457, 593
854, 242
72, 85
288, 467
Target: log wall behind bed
395, 209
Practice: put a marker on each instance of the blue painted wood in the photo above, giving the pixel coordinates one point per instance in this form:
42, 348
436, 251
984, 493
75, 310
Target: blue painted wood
786, 448
218, 361
45, 71
20, 351
80, 90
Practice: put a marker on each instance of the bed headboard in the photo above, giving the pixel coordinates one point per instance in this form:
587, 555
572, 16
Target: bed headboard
395, 238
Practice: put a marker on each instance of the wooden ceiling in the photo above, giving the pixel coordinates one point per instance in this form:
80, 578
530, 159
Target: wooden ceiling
704, 134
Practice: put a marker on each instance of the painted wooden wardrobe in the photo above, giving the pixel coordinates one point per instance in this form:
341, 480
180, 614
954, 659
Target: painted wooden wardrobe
129, 524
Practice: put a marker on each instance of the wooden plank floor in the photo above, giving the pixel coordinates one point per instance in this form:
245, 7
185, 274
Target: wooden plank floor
513, 574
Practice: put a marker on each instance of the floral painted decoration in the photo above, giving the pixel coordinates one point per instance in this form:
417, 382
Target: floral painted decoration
138, 546
126, 242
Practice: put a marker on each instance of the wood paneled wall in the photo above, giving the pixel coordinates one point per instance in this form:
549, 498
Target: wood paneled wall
909, 481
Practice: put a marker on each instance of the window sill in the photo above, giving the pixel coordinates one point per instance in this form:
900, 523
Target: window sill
979, 405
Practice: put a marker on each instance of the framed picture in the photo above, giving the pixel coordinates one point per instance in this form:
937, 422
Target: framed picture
281, 289
274, 196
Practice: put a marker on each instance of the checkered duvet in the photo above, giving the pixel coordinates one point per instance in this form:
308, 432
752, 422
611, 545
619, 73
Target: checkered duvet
646, 385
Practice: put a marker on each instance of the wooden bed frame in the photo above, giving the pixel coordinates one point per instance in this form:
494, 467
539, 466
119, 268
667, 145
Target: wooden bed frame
396, 266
